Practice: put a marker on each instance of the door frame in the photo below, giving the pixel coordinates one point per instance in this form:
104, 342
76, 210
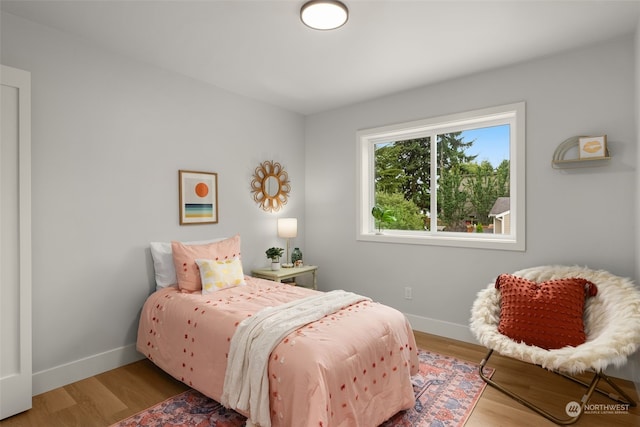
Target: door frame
16, 387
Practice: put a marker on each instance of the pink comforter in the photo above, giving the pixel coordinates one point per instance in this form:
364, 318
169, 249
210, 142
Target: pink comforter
351, 368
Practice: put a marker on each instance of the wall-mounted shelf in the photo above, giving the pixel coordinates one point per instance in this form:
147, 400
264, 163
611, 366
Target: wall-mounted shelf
561, 162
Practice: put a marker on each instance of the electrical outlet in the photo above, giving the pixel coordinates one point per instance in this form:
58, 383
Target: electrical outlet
408, 293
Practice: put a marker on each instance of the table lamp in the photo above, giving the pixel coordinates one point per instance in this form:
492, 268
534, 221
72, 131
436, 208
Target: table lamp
287, 229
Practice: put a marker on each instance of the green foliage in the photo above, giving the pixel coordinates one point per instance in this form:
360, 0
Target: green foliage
451, 150
406, 213
383, 216
465, 188
502, 179
389, 175
415, 158
481, 190
484, 187
404, 167
452, 202
274, 254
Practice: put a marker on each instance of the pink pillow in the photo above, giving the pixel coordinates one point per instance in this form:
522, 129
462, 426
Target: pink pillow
184, 259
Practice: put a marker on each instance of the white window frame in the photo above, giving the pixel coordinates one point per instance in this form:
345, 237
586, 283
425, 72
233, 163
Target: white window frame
513, 114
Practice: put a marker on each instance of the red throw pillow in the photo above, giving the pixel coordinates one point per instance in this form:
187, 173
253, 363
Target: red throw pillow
548, 315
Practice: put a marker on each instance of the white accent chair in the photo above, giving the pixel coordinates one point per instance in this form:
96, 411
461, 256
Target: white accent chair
612, 329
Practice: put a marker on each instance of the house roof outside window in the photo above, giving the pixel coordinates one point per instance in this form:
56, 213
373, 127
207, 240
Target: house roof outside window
501, 207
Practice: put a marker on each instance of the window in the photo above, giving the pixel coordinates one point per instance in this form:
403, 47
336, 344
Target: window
456, 180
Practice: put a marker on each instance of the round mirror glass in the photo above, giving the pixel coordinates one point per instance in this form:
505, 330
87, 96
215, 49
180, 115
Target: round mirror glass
271, 186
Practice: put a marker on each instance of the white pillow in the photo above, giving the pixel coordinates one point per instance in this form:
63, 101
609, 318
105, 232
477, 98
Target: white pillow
162, 255
221, 274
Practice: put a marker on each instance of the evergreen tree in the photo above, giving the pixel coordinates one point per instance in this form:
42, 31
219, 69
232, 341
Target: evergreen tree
452, 201
464, 187
415, 159
389, 173
451, 150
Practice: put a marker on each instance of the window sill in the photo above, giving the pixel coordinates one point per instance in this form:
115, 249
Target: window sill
459, 240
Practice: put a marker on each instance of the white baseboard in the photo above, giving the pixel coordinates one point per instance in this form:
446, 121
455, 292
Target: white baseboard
441, 328
463, 333
77, 370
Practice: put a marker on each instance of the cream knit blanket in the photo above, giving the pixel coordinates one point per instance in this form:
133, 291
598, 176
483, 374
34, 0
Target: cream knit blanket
246, 381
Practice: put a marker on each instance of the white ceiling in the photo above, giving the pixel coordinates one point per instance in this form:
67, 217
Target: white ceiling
261, 49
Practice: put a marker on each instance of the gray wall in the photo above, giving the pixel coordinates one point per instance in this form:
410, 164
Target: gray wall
110, 133
109, 136
584, 217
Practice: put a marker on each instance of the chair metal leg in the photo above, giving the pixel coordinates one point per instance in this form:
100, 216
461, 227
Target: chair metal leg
591, 387
624, 398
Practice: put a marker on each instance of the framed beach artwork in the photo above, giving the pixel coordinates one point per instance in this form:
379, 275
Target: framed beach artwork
198, 197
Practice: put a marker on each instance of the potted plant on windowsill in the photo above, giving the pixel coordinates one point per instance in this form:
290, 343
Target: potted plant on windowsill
383, 217
274, 255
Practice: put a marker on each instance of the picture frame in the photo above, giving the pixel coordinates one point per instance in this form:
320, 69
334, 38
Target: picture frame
198, 197
592, 147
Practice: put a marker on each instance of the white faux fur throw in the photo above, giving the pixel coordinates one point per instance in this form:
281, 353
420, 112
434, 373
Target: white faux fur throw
611, 320
246, 380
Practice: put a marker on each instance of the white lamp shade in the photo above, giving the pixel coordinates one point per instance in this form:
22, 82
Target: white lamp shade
324, 14
287, 227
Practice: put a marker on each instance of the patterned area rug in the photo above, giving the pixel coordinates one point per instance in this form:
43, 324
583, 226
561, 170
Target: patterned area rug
447, 389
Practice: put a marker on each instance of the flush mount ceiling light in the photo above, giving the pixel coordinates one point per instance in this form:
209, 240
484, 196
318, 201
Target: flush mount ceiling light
324, 14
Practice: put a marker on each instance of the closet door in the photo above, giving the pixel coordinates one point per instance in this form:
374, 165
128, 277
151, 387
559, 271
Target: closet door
15, 242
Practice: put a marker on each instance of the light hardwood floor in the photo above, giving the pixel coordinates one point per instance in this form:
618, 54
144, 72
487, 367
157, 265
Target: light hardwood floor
114, 395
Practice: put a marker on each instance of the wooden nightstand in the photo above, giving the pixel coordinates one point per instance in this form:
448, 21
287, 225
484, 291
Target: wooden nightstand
286, 273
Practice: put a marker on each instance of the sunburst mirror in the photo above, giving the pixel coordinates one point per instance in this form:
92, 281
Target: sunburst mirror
270, 186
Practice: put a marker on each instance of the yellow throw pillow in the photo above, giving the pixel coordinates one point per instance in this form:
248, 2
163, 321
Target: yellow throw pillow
220, 274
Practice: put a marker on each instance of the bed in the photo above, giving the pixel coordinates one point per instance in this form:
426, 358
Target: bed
348, 368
